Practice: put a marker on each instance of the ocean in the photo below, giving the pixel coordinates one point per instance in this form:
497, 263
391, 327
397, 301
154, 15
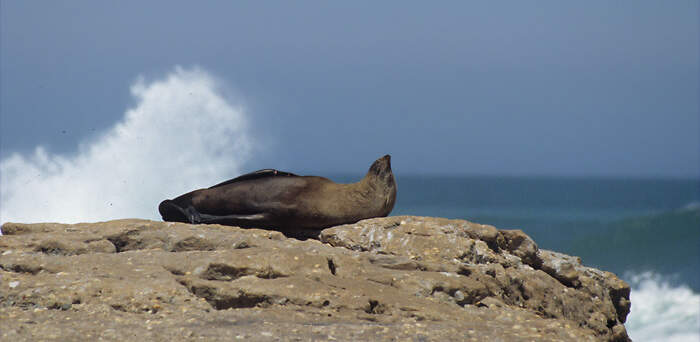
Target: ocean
647, 231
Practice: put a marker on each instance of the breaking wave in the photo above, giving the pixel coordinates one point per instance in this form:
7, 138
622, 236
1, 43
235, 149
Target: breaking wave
182, 133
661, 311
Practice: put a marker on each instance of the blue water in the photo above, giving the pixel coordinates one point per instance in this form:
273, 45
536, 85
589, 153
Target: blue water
647, 231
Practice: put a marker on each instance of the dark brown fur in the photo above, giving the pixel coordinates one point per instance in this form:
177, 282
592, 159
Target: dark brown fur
287, 202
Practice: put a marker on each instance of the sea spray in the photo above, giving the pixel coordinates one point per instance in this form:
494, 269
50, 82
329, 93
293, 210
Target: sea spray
182, 133
661, 311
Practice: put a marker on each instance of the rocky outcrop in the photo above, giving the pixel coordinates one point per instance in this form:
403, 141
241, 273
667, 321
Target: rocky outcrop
395, 278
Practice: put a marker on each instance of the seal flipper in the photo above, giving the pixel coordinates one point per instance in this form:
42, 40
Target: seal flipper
243, 220
172, 212
255, 175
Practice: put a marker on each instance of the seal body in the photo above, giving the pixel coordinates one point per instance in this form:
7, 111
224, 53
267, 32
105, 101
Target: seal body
287, 202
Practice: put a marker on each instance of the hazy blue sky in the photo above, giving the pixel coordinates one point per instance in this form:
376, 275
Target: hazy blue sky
507, 87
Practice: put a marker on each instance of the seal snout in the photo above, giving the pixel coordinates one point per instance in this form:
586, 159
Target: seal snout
386, 160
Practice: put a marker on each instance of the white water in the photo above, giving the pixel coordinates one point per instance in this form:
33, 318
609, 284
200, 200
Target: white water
662, 312
182, 134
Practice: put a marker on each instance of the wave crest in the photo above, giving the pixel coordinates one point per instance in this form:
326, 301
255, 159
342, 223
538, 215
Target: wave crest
181, 134
661, 311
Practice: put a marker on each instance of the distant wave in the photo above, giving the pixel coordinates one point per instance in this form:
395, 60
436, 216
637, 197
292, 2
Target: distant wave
692, 206
181, 134
662, 312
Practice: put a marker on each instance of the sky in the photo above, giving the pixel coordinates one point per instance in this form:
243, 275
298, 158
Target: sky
174, 94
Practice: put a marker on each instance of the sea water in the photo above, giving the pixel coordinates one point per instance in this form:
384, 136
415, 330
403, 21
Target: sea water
647, 231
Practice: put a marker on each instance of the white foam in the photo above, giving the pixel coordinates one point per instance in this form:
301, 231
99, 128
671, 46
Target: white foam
182, 134
662, 312
692, 206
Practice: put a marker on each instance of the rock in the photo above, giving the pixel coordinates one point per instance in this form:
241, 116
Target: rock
415, 278
522, 246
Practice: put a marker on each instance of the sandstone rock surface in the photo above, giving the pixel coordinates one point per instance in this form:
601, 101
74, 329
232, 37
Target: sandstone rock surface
386, 279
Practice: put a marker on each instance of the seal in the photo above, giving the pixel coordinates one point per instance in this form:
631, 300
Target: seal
287, 202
